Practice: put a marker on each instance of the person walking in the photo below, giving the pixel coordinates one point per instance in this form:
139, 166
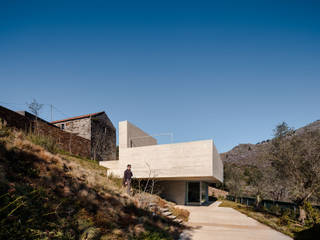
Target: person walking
127, 179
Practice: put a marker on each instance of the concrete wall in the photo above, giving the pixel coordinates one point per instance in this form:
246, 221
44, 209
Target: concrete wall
191, 160
132, 136
217, 166
173, 191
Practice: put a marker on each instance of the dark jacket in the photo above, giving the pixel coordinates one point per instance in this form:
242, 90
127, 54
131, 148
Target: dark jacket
127, 175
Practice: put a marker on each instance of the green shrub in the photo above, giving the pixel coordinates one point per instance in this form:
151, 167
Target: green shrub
44, 141
285, 217
313, 215
275, 209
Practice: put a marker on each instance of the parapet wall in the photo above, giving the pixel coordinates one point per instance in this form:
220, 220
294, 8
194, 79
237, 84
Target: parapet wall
131, 136
66, 141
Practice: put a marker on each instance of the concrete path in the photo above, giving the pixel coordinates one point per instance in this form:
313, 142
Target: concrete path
219, 223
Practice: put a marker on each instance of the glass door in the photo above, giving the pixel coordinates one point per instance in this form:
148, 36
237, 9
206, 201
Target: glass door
193, 196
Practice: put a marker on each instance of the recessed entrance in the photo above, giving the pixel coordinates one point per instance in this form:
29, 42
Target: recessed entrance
197, 192
193, 192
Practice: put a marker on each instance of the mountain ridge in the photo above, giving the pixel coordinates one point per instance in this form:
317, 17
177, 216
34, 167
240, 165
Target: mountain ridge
247, 153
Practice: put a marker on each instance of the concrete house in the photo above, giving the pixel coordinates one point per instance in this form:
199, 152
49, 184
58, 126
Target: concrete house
95, 127
183, 170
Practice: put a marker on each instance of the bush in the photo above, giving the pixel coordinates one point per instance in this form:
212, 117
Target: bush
4, 130
46, 142
313, 215
180, 213
275, 209
285, 217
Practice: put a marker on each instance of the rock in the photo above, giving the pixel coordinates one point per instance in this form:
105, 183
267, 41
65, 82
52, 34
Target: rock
138, 229
83, 193
117, 231
91, 233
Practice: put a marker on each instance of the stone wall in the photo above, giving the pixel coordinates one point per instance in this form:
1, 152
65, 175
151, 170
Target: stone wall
69, 142
217, 192
66, 141
81, 127
14, 119
103, 138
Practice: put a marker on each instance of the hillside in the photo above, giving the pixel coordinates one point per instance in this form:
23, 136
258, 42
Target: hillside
248, 172
49, 195
246, 154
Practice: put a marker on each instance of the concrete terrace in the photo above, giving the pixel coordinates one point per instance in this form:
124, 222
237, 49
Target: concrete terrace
219, 223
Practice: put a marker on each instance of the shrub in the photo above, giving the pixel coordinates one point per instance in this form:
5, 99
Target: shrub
180, 213
116, 180
275, 209
4, 130
285, 217
44, 141
313, 215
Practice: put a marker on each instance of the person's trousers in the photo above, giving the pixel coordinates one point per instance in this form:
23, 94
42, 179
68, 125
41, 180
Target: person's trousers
129, 187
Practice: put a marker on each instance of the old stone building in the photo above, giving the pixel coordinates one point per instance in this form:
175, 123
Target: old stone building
97, 128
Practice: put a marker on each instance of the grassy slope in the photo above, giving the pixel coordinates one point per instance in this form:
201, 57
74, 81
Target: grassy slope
56, 196
289, 228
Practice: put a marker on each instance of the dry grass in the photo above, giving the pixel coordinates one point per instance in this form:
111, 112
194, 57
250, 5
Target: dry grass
268, 219
180, 213
80, 184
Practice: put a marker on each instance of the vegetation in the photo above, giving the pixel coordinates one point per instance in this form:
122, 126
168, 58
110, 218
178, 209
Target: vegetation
46, 142
57, 196
180, 213
286, 169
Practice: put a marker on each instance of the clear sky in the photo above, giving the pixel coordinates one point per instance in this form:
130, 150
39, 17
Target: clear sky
226, 70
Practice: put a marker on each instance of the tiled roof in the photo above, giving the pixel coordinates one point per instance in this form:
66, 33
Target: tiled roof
78, 117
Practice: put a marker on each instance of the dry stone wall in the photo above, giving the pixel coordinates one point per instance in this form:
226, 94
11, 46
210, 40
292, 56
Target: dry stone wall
66, 141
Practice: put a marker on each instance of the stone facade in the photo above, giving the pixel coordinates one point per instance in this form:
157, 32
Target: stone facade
66, 141
81, 127
98, 129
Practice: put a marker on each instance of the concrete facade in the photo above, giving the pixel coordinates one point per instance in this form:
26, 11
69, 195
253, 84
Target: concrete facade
172, 165
98, 129
132, 136
174, 191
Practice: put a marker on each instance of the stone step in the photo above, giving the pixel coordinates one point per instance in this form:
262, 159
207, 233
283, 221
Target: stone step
164, 209
178, 220
172, 217
167, 214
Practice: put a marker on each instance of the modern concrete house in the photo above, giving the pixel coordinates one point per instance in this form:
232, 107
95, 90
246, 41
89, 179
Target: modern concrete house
183, 170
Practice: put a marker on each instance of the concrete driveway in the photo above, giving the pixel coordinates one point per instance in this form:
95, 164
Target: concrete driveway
219, 223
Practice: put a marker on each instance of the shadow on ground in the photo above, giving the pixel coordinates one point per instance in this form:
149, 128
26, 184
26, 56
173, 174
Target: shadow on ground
308, 234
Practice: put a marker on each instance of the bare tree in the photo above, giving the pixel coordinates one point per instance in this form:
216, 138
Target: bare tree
296, 160
35, 108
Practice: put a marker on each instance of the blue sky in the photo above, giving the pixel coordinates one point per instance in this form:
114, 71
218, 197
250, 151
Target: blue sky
226, 70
